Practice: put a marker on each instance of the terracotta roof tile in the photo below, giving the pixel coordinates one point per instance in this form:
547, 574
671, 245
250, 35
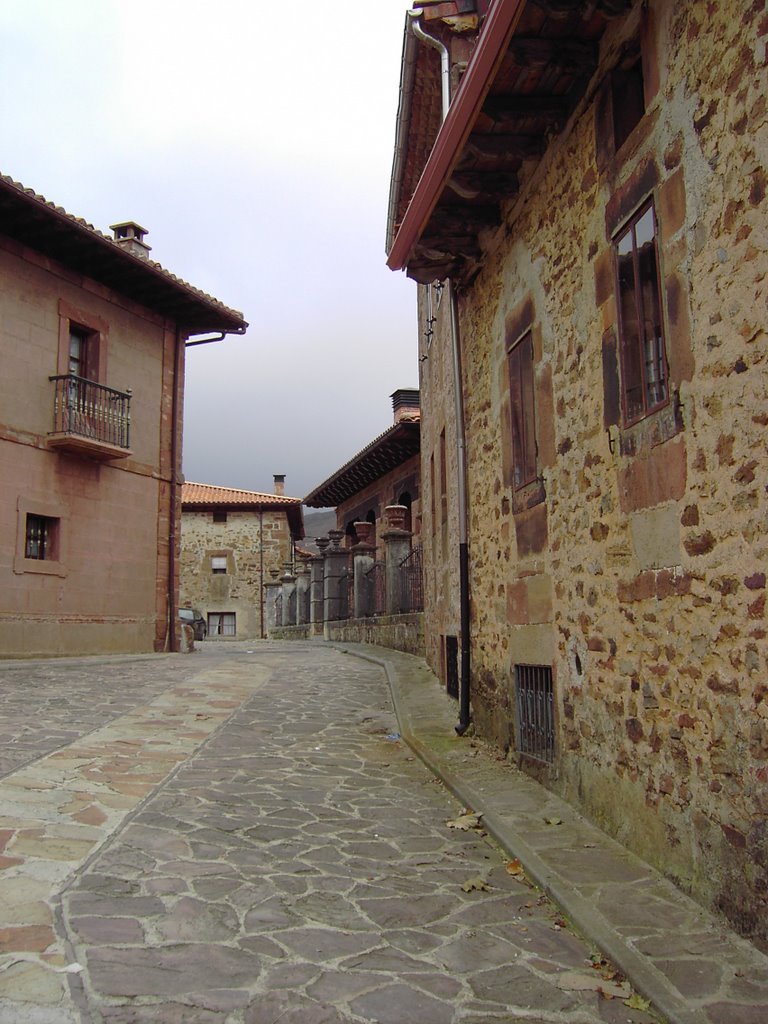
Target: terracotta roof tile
207, 494
35, 221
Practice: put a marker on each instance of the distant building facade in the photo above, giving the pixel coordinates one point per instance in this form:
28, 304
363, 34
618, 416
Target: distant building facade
93, 340
386, 472
232, 543
587, 228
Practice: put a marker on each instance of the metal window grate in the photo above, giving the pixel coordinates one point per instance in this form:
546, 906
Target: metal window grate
535, 712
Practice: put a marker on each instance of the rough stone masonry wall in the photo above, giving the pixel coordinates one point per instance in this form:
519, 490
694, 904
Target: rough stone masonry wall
239, 540
641, 576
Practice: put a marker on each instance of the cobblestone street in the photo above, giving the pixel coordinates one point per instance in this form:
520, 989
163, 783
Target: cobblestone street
242, 837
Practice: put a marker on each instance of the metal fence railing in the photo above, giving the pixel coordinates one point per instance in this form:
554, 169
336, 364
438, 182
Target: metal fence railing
91, 410
411, 586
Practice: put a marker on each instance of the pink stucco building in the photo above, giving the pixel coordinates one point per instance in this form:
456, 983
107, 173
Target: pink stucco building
92, 337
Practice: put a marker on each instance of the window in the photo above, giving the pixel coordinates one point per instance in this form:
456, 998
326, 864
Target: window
40, 538
41, 535
81, 353
642, 352
520, 362
220, 516
219, 565
82, 343
535, 712
221, 624
627, 95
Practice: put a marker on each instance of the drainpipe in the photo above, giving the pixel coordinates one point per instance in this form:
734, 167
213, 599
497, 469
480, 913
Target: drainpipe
261, 571
461, 462
171, 644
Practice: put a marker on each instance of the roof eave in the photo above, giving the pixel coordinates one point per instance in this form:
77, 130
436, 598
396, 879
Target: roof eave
454, 132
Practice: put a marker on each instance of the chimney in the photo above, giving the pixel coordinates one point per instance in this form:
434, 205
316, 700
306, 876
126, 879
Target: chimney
130, 236
405, 403
279, 483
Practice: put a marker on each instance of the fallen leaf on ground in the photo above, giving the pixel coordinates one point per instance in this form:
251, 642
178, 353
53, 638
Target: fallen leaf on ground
465, 822
553, 821
476, 883
636, 1002
578, 981
514, 867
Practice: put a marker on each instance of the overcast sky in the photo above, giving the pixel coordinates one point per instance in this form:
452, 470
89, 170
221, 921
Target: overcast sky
254, 142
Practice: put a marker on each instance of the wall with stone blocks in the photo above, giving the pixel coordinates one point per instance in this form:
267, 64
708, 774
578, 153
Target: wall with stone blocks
252, 546
638, 571
398, 632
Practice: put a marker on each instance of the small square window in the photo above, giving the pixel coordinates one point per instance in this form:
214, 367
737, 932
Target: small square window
41, 538
220, 516
219, 565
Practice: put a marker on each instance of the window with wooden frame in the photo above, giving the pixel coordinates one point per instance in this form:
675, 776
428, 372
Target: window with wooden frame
642, 349
522, 412
82, 343
39, 538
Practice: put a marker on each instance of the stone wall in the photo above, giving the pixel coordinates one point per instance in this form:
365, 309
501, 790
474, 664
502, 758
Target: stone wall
638, 571
252, 545
398, 632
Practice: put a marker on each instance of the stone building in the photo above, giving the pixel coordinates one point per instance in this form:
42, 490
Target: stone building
93, 337
587, 227
232, 542
386, 472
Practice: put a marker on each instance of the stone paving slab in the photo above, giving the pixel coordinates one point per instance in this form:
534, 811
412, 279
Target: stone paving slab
57, 811
290, 862
692, 967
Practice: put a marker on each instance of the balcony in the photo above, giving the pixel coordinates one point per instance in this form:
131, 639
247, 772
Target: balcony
90, 419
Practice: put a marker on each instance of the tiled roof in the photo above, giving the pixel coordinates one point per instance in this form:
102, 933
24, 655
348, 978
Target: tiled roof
207, 494
385, 453
33, 221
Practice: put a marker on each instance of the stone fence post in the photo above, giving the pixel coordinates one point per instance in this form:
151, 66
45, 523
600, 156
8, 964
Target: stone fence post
288, 581
271, 589
302, 593
397, 546
363, 555
317, 569
335, 564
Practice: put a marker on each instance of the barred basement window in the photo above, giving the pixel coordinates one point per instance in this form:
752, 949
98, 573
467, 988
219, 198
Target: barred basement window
535, 712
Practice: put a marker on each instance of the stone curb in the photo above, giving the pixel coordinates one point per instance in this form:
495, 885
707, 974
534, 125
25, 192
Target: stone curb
644, 977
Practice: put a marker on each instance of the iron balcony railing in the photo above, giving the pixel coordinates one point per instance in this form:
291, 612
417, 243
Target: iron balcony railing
91, 410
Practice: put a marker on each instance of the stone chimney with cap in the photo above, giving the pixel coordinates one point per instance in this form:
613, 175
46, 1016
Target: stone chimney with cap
405, 404
130, 236
280, 484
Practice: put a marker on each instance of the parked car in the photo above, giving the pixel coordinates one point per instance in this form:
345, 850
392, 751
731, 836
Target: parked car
194, 617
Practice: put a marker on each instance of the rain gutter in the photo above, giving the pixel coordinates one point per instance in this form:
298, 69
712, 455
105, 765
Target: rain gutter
473, 88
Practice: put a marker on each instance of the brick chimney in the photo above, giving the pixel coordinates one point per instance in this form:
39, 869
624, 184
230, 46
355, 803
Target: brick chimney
280, 483
130, 236
405, 403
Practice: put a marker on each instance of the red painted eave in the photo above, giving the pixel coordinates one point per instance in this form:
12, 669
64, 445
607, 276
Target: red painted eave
462, 114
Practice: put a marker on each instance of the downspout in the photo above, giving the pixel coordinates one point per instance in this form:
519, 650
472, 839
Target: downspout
461, 461
172, 644
261, 572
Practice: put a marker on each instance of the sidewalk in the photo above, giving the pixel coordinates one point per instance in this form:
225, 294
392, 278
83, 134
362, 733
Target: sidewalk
691, 967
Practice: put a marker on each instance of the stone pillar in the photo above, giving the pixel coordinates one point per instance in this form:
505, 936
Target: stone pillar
288, 581
397, 546
335, 562
317, 569
363, 556
302, 593
271, 589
